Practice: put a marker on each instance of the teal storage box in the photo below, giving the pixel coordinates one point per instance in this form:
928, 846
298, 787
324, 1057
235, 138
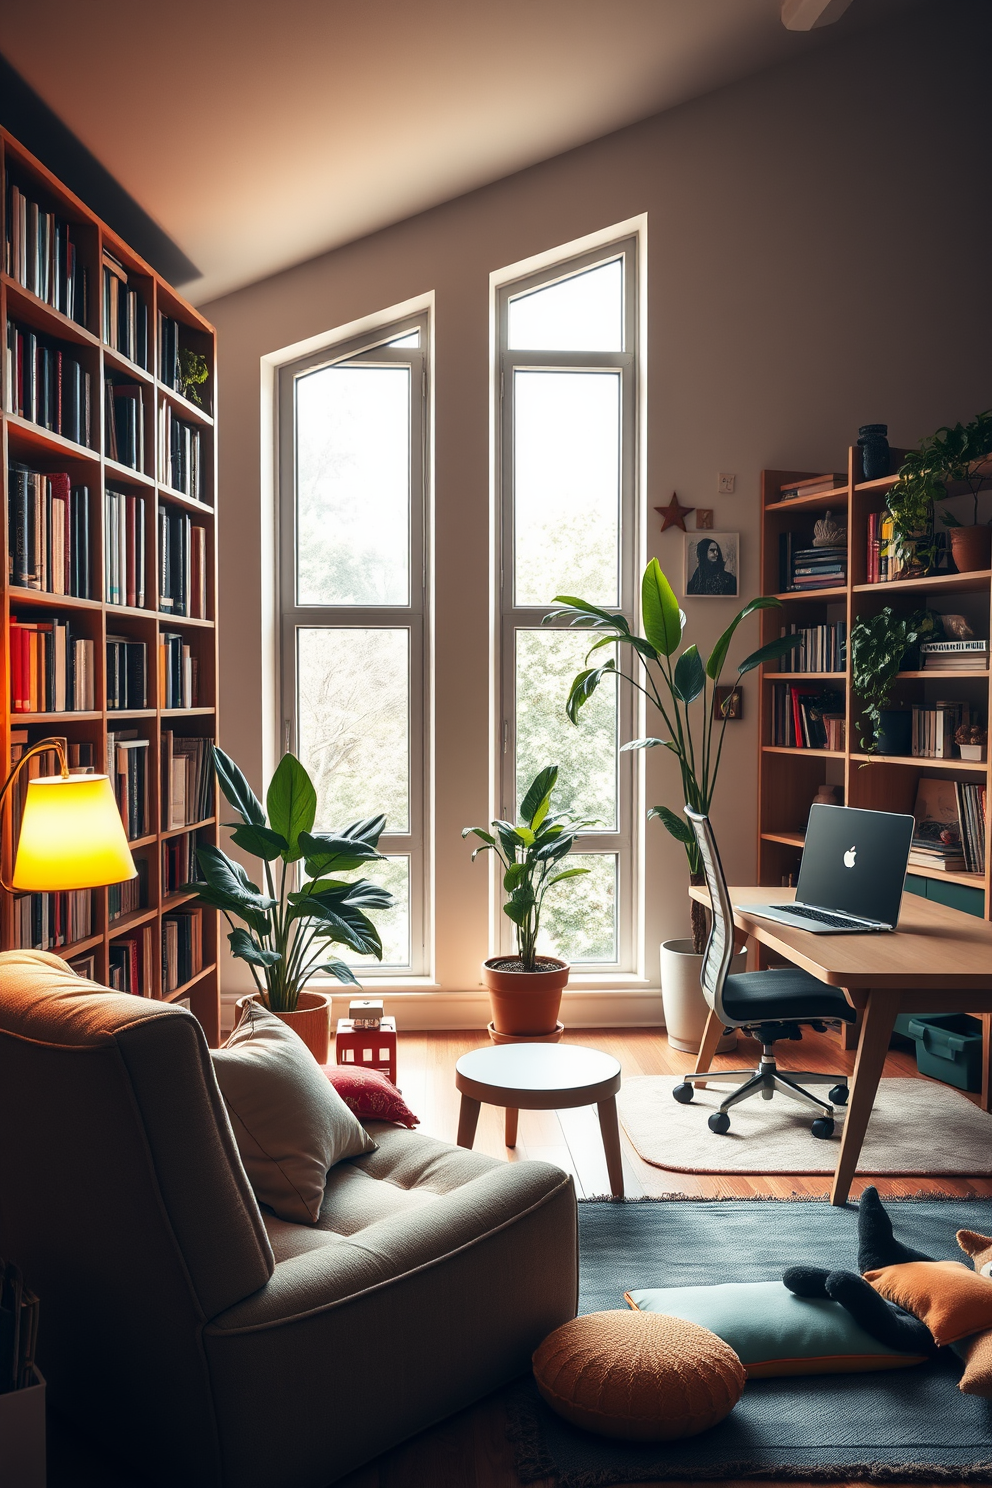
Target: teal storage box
949, 1048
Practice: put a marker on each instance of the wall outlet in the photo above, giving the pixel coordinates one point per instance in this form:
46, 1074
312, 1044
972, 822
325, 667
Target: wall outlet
726, 484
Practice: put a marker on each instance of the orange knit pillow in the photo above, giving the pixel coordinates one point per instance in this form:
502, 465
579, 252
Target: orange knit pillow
945, 1295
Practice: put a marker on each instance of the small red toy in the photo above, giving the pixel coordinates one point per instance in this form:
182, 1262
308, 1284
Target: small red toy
371, 1048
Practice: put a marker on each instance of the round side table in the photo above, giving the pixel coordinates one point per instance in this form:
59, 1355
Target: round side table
541, 1077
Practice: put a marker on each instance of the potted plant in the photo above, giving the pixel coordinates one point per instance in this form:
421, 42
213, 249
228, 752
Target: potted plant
953, 456
288, 927
879, 647
683, 691
525, 989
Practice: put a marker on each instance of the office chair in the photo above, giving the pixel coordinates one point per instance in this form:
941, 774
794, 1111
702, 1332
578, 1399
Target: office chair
769, 1005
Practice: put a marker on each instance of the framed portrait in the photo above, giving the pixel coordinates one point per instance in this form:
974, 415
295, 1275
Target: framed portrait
729, 702
712, 565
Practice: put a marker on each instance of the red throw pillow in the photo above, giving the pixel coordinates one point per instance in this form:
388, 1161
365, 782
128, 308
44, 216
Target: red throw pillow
370, 1095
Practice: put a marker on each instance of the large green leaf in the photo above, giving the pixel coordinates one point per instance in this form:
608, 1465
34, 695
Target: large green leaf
690, 679
719, 653
368, 830
587, 613
513, 875
486, 837
567, 873
327, 853
340, 970
660, 613
516, 912
229, 876
345, 924
648, 744
583, 687
538, 794
770, 652
292, 803
237, 790
247, 948
261, 841
236, 904
677, 825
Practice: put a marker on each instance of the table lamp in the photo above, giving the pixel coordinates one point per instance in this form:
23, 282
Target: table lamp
72, 836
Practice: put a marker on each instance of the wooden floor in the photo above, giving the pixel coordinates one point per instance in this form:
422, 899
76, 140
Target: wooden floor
470, 1450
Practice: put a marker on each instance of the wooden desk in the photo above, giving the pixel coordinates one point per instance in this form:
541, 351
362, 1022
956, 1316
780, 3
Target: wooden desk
939, 958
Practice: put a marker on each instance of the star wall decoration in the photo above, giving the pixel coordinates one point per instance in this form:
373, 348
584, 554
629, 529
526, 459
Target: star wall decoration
673, 515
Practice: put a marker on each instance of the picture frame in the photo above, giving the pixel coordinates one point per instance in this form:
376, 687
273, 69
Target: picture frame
708, 575
731, 699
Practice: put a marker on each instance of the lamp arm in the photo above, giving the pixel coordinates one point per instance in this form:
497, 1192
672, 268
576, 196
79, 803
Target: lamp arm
42, 747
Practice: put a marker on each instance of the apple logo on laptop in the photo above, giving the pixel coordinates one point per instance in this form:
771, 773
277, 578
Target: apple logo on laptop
849, 857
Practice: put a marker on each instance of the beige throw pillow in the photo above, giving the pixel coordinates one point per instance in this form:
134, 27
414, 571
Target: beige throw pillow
289, 1122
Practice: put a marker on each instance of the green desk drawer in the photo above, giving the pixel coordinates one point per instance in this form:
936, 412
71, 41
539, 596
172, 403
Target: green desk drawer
954, 895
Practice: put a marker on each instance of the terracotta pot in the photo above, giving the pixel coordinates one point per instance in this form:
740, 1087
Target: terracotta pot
971, 548
311, 1020
525, 1002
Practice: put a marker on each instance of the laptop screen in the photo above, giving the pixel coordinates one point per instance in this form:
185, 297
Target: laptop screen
856, 861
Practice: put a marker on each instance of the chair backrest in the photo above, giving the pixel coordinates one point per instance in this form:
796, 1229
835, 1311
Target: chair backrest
719, 951
124, 1202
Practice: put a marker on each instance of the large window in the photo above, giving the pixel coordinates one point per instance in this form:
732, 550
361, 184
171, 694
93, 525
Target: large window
353, 584
568, 526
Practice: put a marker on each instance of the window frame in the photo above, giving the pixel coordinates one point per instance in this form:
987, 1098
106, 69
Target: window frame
371, 349
625, 843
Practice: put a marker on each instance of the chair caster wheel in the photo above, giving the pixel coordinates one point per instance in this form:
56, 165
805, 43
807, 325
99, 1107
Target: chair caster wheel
719, 1122
683, 1093
838, 1096
823, 1127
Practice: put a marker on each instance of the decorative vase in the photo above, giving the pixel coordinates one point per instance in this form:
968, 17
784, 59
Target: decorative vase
685, 1006
971, 548
874, 450
525, 1003
895, 732
311, 1020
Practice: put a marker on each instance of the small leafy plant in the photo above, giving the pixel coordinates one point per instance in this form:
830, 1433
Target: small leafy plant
530, 853
878, 645
287, 929
941, 459
193, 371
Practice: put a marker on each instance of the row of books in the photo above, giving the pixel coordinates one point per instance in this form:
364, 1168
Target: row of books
181, 454
127, 766
124, 549
803, 566
43, 922
43, 256
125, 314
182, 948
950, 831
802, 719
51, 667
80, 757
130, 896
811, 485
883, 564
48, 530
182, 565
124, 422
179, 865
187, 780
127, 673
954, 656
130, 961
46, 385
823, 648
178, 672
933, 729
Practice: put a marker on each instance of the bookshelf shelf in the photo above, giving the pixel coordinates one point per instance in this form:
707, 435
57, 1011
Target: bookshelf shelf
152, 318
790, 778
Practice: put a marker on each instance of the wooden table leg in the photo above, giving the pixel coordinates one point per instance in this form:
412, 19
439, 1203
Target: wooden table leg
468, 1120
611, 1144
986, 1061
712, 1034
880, 1016
850, 1033
512, 1117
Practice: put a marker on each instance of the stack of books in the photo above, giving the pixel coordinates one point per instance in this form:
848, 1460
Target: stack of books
125, 314
954, 656
811, 486
44, 922
131, 895
48, 532
41, 254
124, 549
46, 385
84, 966
933, 729
182, 948
124, 418
51, 667
130, 961
177, 673
823, 648
179, 865
802, 719
127, 673
182, 565
187, 780
182, 460
949, 836
127, 766
802, 566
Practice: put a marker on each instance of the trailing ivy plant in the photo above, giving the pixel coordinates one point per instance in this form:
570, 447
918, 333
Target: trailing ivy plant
944, 458
878, 645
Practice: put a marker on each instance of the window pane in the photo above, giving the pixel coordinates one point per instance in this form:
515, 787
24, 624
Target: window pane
566, 486
579, 919
583, 313
393, 925
412, 339
353, 486
353, 723
586, 756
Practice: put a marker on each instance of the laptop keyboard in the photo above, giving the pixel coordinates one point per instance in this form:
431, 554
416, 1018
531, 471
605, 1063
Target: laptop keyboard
821, 916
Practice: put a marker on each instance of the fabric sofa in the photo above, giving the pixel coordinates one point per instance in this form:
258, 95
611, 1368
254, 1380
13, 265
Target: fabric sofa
217, 1346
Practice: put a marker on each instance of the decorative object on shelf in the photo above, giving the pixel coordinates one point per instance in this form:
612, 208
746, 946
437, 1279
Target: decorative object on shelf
366, 1048
712, 566
879, 644
673, 515
283, 925
365, 1012
729, 702
874, 448
525, 990
193, 372
954, 455
894, 732
829, 795
704, 518
971, 547
971, 740
828, 533
956, 628
673, 686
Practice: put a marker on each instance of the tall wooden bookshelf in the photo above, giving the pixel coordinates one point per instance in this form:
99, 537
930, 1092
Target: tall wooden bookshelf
31, 444
790, 777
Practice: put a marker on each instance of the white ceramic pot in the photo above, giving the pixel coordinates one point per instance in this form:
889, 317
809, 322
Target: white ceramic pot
682, 996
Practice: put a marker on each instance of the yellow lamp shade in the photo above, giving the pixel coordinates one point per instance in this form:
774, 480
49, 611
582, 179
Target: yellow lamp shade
72, 836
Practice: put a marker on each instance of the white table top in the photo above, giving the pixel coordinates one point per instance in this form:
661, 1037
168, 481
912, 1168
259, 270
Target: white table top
538, 1067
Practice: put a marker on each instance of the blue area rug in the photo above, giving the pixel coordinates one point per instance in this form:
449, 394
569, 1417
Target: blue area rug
908, 1424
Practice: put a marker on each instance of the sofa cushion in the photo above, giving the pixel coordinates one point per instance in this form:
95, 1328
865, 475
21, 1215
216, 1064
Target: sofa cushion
289, 1122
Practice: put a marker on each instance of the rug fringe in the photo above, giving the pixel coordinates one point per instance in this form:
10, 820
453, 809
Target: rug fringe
922, 1196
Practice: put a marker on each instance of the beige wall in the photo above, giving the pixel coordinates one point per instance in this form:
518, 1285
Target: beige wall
818, 258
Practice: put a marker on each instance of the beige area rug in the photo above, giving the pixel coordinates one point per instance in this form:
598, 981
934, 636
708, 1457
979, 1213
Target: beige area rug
917, 1128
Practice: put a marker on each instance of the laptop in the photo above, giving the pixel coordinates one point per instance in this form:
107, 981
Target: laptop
852, 873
